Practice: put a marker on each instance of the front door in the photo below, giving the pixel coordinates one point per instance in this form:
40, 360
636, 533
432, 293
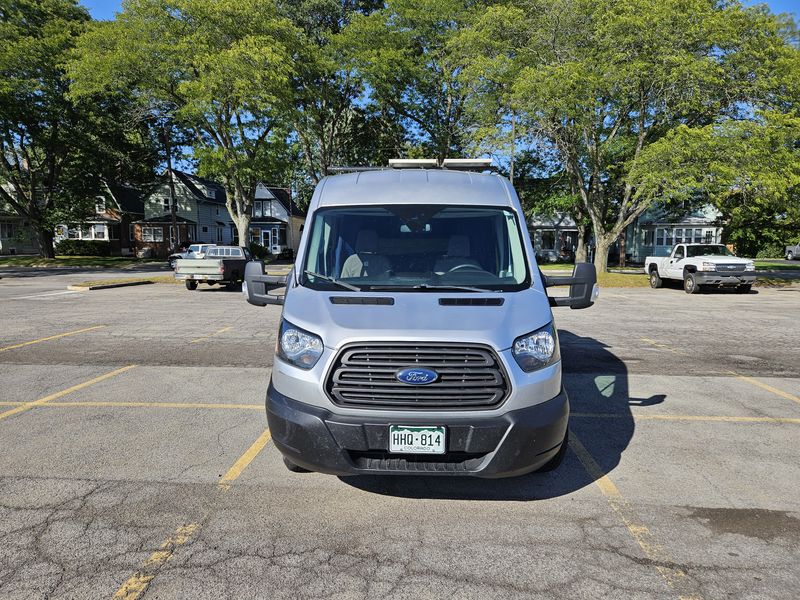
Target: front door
676, 263
266, 239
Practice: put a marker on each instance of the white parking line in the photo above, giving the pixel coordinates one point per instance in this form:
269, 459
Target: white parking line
44, 295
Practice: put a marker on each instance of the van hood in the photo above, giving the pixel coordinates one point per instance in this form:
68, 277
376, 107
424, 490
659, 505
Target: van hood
417, 316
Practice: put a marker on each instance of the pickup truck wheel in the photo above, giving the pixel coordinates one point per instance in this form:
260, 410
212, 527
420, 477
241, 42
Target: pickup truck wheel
293, 467
555, 462
744, 288
790, 255
655, 280
690, 285
191, 285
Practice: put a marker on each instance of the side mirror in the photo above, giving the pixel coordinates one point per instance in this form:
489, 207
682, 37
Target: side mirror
583, 290
256, 283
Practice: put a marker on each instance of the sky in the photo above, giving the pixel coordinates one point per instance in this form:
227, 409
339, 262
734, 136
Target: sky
105, 9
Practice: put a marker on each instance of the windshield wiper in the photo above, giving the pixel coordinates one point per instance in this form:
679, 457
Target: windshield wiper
333, 280
426, 286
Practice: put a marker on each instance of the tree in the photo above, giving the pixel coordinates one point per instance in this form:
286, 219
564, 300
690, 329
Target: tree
602, 80
54, 152
406, 54
223, 66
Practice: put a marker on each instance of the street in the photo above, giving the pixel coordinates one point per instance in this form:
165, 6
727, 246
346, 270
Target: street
135, 457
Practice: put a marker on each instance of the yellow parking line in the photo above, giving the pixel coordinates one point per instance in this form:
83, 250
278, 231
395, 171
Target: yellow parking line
160, 405
210, 335
244, 460
711, 418
662, 346
675, 577
135, 586
52, 337
764, 386
74, 388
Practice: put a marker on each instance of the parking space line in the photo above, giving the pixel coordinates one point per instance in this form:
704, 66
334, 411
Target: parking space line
655, 552
244, 460
137, 583
765, 386
135, 586
52, 337
705, 418
662, 346
74, 388
210, 335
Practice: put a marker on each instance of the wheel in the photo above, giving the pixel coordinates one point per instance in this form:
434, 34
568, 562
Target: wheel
655, 280
232, 286
553, 463
191, 285
293, 467
172, 263
690, 285
744, 288
790, 255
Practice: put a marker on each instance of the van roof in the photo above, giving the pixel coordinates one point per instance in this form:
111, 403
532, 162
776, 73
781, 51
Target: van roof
415, 186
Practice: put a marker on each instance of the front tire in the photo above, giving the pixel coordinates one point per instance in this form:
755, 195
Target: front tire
790, 255
191, 285
744, 288
690, 285
655, 280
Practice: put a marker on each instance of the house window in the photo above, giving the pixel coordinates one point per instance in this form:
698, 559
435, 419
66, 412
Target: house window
6, 230
100, 205
73, 234
709, 236
679, 236
204, 229
257, 208
192, 232
660, 237
131, 232
668, 238
255, 235
219, 235
152, 234
235, 235
98, 232
698, 236
548, 240
113, 232
649, 237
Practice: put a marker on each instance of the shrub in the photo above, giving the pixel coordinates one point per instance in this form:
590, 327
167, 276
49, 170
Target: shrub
258, 251
770, 251
83, 248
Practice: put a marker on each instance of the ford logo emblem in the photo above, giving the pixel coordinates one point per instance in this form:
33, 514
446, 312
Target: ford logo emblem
417, 376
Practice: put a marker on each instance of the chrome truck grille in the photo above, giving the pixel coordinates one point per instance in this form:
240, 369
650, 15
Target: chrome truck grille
469, 377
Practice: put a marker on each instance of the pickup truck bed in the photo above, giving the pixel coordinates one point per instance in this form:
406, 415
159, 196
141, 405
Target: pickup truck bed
220, 265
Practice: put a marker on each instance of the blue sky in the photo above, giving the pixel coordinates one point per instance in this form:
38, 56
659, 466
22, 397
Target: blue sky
105, 9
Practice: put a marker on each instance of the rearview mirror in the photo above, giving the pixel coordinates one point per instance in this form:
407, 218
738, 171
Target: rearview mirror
583, 290
256, 283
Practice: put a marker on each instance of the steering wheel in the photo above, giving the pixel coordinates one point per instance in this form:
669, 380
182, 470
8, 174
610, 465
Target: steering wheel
469, 266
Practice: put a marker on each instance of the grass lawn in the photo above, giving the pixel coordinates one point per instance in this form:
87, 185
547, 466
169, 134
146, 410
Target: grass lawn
767, 265
71, 261
114, 280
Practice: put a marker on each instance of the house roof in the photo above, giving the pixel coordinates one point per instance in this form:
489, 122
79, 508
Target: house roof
165, 219
129, 199
283, 196
194, 183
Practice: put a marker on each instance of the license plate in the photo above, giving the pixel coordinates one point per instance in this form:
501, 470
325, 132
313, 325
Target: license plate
407, 439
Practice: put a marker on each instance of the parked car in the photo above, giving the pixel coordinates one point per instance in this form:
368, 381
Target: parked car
220, 264
700, 265
792, 252
193, 251
429, 346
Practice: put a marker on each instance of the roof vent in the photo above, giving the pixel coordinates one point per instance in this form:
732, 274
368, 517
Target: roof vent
413, 163
467, 164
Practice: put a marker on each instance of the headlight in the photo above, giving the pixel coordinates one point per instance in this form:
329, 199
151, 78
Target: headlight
538, 349
707, 266
750, 267
298, 346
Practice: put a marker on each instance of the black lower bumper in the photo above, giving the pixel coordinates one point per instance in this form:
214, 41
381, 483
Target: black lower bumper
515, 443
723, 278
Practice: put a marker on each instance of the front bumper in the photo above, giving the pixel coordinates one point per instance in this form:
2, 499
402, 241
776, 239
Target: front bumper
722, 278
512, 444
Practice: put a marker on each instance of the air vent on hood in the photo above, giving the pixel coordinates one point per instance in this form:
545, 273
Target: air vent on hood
471, 301
361, 300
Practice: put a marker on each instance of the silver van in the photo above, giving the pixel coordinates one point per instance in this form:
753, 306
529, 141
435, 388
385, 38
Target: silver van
417, 335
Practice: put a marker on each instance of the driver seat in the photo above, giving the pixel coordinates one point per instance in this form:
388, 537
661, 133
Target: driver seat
457, 254
365, 261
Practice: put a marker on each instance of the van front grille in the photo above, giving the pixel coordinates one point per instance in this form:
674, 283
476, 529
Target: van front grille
469, 377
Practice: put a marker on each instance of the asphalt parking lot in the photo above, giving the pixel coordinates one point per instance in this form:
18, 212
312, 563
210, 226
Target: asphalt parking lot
135, 461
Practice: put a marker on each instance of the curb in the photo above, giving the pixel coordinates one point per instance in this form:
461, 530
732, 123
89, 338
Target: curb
84, 288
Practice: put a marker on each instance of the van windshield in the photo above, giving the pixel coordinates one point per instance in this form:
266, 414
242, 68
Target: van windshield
416, 247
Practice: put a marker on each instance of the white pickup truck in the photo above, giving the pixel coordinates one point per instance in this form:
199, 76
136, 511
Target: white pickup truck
701, 265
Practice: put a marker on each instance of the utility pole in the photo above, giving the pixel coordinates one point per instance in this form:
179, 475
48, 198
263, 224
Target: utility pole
172, 204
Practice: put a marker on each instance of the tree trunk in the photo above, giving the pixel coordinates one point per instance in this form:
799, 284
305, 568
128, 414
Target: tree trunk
242, 222
45, 238
601, 253
581, 252
622, 249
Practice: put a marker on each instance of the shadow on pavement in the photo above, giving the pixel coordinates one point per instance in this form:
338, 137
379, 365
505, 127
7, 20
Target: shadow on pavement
597, 383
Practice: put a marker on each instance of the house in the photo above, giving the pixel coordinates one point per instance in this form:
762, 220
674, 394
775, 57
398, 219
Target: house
658, 229
116, 209
277, 221
16, 235
202, 215
554, 238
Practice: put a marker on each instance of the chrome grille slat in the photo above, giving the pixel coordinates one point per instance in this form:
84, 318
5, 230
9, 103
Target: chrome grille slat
469, 376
